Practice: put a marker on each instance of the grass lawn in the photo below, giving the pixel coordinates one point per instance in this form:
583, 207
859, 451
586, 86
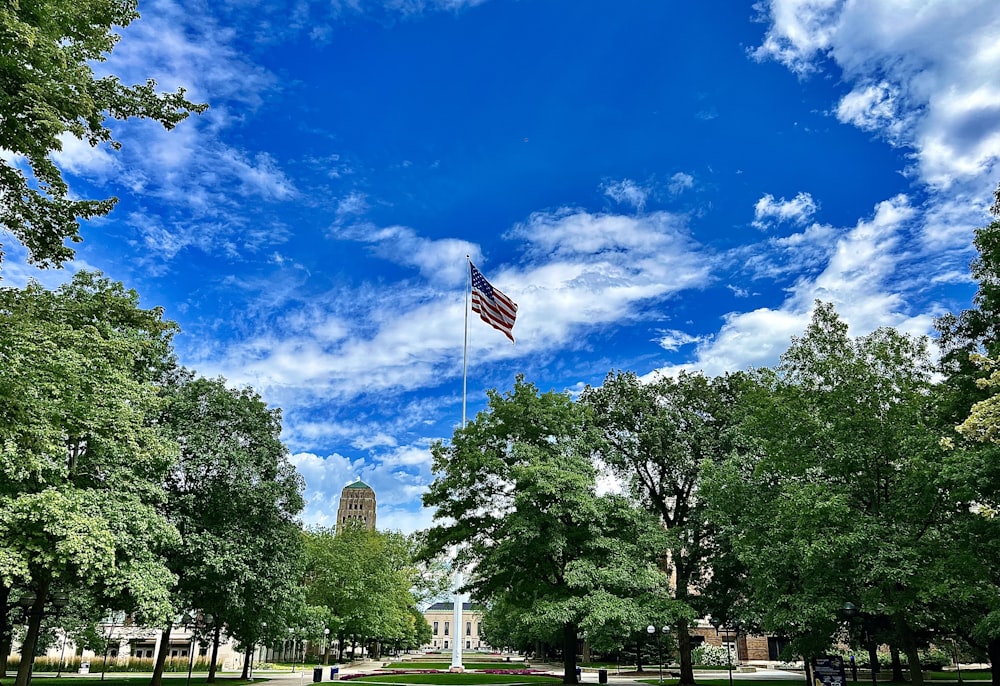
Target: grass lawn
130, 679
967, 675
459, 679
445, 665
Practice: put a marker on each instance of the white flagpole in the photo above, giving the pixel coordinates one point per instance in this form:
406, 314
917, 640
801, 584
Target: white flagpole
465, 356
456, 617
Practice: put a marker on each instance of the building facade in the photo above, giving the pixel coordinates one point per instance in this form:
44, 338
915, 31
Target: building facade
357, 504
441, 618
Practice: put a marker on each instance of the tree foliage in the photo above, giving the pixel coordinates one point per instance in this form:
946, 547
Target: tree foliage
656, 437
232, 496
49, 91
848, 494
361, 581
516, 492
81, 462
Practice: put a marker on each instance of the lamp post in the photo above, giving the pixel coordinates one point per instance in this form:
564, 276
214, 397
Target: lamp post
326, 645
27, 605
719, 625
193, 621
291, 632
651, 630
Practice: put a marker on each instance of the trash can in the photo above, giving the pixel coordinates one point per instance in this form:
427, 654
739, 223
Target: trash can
317, 674
602, 676
333, 673
84, 668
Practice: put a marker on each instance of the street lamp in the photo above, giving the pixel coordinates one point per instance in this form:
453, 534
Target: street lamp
651, 630
326, 645
718, 624
26, 604
291, 632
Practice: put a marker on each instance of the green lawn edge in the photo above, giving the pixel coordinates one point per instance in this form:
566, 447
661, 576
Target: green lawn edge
458, 678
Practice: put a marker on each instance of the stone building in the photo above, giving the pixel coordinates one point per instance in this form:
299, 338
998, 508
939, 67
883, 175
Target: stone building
357, 503
441, 617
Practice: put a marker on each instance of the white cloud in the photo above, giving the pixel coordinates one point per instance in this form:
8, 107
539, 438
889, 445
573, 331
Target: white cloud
583, 271
627, 192
80, 158
442, 260
673, 339
861, 278
922, 76
680, 182
768, 212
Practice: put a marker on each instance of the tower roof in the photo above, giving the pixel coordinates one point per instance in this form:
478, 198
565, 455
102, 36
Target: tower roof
358, 484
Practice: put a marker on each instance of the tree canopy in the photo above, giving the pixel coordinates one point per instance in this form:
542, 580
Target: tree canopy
49, 91
82, 463
516, 493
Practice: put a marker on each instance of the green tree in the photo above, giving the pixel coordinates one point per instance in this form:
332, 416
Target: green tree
81, 461
657, 437
49, 89
362, 580
970, 343
516, 491
846, 497
233, 496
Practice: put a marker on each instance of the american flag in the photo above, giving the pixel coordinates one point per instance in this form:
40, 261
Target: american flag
494, 308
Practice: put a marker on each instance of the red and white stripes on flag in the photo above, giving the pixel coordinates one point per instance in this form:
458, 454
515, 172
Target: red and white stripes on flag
494, 308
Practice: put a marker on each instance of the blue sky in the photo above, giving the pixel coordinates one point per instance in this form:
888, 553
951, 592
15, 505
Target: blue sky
658, 185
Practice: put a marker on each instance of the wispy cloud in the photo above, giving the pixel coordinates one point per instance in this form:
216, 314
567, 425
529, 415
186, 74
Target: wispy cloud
680, 182
768, 212
924, 79
864, 277
627, 192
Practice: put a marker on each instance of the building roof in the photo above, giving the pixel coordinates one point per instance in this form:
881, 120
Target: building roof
451, 606
358, 484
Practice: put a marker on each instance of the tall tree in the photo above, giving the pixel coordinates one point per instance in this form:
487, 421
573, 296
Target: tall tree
516, 492
656, 437
82, 461
970, 343
49, 90
847, 497
232, 495
362, 580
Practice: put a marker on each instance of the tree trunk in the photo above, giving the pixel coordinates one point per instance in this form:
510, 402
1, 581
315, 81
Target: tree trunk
913, 657
161, 657
31, 637
684, 648
326, 650
993, 653
215, 651
873, 660
897, 664
638, 654
6, 630
247, 661
569, 653
806, 669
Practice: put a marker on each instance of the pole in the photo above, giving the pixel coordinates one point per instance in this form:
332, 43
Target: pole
190, 658
465, 354
62, 655
729, 658
456, 617
659, 649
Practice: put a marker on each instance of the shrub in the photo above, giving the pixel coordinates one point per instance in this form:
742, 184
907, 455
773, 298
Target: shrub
711, 655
